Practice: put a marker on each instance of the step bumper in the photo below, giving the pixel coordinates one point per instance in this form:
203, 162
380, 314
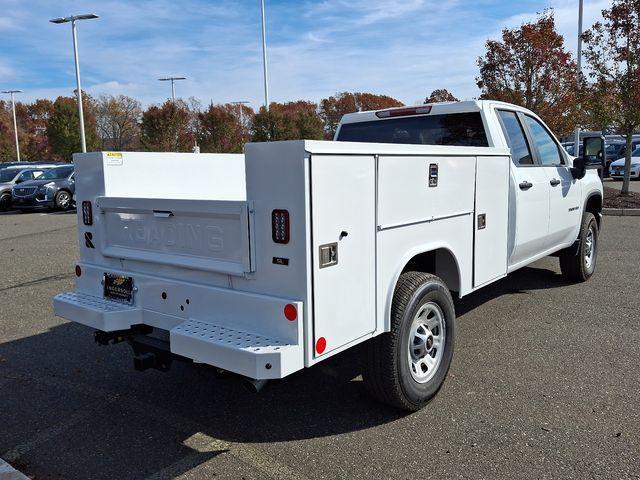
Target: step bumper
96, 312
245, 353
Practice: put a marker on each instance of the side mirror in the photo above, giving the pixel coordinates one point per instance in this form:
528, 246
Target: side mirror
579, 169
19, 180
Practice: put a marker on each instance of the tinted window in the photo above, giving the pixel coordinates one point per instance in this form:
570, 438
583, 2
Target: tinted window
7, 175
545, 144
464, 129
520, 151
56, 173
28, 175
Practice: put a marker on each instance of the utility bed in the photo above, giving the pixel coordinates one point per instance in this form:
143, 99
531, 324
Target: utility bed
265, 263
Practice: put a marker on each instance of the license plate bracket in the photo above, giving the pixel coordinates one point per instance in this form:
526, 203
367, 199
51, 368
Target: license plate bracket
118, 287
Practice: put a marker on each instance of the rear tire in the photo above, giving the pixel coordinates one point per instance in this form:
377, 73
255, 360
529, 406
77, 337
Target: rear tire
579, 266
407, 366
5, 202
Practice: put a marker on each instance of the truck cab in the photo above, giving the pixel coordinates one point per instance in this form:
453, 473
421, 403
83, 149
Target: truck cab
546, 200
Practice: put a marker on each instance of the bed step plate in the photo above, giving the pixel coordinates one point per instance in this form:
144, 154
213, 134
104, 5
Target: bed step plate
245, 353
96, 312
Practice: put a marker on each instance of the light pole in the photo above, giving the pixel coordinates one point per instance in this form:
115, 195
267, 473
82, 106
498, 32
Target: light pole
73, 19
576, 142
15, 124
173, 88
264, 58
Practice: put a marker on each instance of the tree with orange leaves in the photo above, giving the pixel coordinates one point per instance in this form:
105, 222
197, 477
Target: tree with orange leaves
531, 67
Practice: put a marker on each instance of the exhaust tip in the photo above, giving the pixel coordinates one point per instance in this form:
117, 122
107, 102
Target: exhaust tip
252, 385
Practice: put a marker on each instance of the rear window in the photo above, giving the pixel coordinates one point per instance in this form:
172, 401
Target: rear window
463, 129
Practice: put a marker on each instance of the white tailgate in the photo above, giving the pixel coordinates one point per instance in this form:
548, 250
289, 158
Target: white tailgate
197, 234
492, 201
343, 200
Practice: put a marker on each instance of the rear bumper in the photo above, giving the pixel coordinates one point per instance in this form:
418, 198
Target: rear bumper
207, 341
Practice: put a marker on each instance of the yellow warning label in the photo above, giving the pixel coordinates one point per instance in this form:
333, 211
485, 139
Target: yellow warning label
114, 158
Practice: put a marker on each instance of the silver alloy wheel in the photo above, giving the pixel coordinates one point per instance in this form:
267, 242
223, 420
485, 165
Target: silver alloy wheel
426, 342
589, 248
64, 199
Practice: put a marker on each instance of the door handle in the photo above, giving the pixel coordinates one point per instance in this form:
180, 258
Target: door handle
525, 185
554, 182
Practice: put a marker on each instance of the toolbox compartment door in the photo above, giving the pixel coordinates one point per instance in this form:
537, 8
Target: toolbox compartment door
195, 234
491, 219
343, 249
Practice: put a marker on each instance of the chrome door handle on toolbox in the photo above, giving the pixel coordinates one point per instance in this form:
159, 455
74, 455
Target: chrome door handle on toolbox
525, 185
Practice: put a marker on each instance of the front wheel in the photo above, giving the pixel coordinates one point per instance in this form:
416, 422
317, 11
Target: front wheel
5, 202
579, 265
407, 366
63, 200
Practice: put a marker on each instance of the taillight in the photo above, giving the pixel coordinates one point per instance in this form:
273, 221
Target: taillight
403, 112
87, 214
280, 226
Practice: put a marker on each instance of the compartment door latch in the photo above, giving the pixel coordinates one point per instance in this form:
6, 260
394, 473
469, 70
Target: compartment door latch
328, 254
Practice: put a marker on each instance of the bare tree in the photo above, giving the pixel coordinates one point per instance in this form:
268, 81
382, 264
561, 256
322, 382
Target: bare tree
118, 120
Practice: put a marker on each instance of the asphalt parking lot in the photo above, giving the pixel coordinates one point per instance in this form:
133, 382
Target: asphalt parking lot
545, 384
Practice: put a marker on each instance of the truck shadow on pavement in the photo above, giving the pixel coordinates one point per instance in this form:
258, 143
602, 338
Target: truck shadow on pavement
73, 409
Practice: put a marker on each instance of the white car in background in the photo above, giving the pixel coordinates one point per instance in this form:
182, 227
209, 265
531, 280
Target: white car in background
616, 170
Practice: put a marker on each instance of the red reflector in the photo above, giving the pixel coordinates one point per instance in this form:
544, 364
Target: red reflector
78, 271
87, 214
280, 226
290, 312
321, 344
403, 112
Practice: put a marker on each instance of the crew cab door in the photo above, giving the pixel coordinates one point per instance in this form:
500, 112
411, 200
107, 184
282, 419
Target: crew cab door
528, 193
564, 191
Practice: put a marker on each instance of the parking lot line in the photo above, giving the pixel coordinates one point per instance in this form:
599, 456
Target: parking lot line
48, 434
7, 472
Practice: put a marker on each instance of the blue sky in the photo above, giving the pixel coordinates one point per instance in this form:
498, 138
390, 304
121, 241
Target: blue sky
402, 48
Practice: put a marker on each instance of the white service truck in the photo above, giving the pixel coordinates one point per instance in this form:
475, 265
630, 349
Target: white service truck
265, 263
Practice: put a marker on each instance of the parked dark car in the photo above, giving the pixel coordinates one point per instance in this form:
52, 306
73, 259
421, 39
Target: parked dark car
15, 175
54, 189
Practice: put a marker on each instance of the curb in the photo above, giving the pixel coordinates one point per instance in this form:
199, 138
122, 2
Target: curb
622, 212
7, 472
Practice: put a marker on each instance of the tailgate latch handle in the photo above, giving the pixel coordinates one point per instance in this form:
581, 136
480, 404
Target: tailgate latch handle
162, 213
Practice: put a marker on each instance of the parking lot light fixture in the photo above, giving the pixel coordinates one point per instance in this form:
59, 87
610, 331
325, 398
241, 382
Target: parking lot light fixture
15, 124
173, 88
73, 19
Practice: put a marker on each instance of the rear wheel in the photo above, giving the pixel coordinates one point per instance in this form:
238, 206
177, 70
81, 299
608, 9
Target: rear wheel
407, 366
63, 200
5, 202
579, 264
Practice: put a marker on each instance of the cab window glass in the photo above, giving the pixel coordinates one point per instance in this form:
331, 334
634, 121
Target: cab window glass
520, 151
548, 150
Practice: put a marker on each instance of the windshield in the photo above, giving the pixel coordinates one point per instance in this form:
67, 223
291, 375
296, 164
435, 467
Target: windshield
613, 148
7, 175
56, 173
636, 152
463, 129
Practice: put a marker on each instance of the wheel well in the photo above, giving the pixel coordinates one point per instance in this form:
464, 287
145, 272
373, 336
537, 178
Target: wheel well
594, 205
440, 262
